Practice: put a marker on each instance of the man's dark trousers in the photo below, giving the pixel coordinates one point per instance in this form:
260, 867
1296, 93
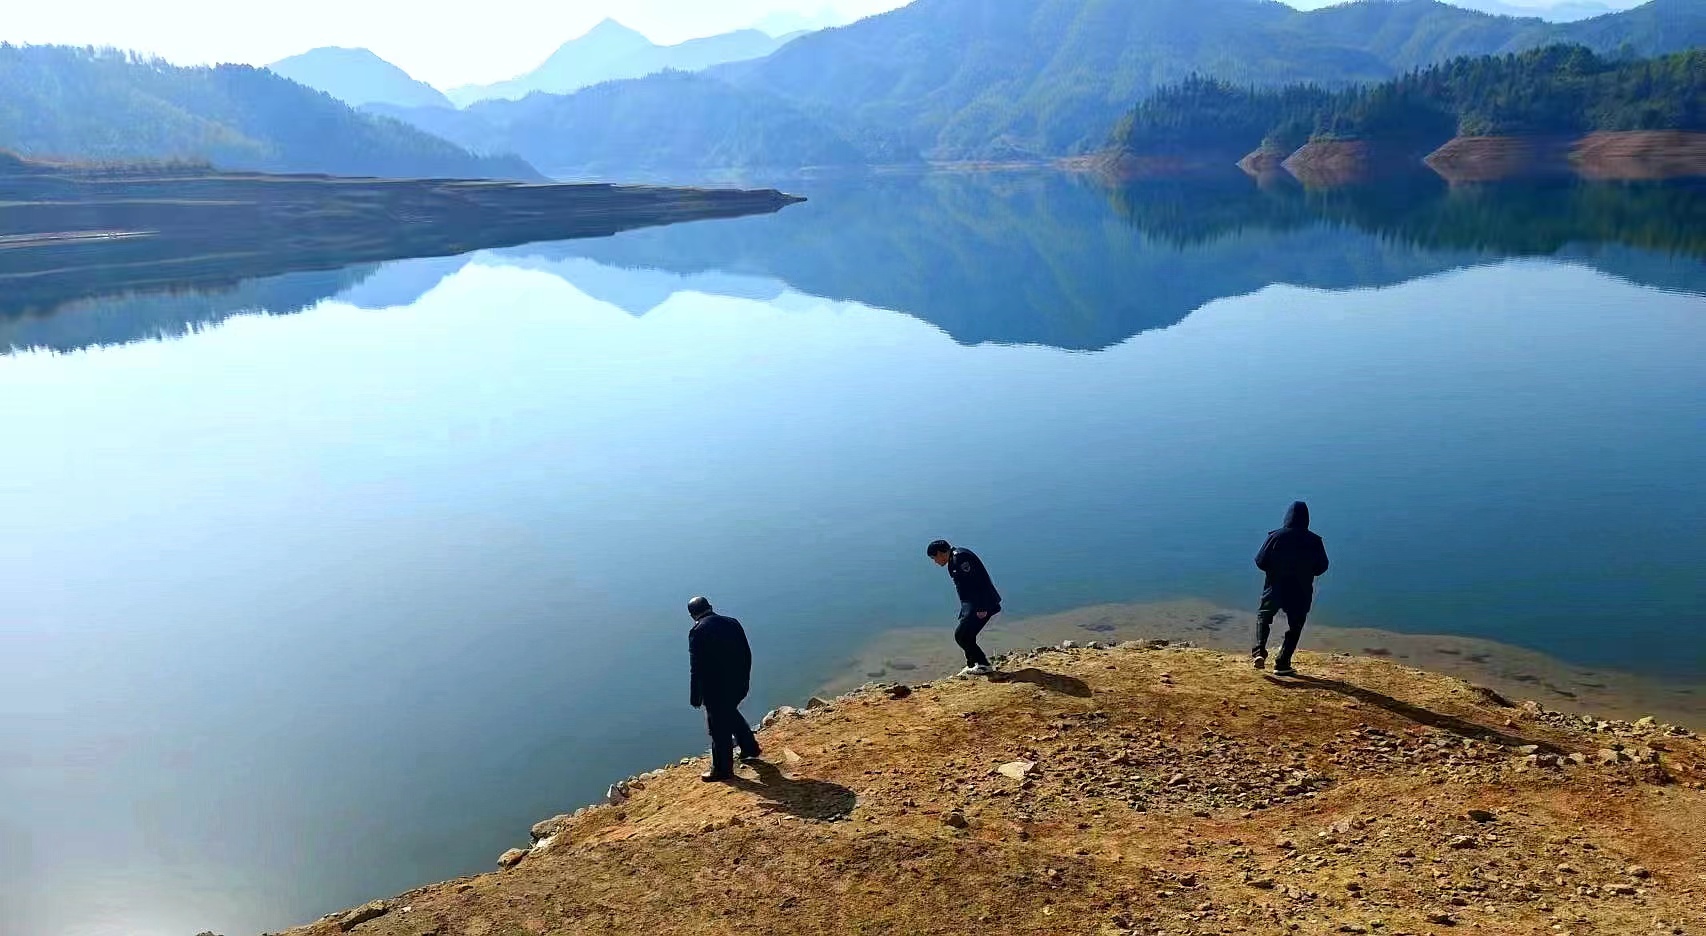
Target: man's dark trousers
728, 728
1294, 620
966, 634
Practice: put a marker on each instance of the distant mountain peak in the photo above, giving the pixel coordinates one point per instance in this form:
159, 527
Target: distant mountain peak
610, 28
357, 76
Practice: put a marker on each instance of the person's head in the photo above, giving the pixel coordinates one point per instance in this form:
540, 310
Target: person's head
940, 551
699, 607
1297, 516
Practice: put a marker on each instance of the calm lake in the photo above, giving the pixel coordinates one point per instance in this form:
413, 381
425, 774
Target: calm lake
310, 607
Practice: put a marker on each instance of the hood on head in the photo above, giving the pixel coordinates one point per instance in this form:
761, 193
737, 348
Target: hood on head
1297, 516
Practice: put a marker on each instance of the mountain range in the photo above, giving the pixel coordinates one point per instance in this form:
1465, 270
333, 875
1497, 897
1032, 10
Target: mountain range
611, 51
1006, 79
1564, 11
357, 77
103, 106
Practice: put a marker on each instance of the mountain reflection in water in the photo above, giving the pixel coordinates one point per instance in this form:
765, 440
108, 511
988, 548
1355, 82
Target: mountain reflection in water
1029, 258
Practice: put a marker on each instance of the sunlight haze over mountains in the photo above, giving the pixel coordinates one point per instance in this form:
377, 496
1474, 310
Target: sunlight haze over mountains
451, 48
444, 47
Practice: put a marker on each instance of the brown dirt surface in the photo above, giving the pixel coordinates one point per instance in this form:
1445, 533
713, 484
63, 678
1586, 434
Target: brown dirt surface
1175, 791
1641, 154
1495, 158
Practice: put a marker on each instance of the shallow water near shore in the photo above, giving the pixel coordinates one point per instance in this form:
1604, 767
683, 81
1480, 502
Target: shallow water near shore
330, 584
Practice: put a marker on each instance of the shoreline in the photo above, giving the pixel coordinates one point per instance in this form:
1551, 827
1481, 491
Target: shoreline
921, 653
914, 787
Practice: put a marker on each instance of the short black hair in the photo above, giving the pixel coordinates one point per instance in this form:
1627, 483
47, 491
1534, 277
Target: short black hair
937, 547
699, 607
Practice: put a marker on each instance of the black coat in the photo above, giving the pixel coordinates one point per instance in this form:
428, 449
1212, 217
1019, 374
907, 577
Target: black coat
971, 581
1292, 558
721, 661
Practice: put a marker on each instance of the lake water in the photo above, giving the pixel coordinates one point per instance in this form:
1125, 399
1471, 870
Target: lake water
304, 609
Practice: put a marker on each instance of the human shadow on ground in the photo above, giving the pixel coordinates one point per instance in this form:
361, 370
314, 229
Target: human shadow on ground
802, 797
1451, 723
1053, 682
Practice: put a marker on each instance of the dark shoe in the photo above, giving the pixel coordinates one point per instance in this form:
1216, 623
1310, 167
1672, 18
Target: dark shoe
1284, 671
711, 776
747, 758
1259, 660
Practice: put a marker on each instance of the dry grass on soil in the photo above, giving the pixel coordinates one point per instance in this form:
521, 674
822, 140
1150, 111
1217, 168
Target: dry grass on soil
1174, 791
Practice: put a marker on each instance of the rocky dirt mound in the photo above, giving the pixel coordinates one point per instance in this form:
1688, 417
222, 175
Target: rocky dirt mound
1133, 790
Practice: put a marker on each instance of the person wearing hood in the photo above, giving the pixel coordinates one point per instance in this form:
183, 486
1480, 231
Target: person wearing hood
1292, 558
721, 674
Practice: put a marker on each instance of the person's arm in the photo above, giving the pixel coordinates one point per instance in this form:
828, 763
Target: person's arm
1320, 556
694, 652
744, 651
988, 597
1265, 554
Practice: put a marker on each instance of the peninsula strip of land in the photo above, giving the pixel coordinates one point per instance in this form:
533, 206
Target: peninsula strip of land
76, 231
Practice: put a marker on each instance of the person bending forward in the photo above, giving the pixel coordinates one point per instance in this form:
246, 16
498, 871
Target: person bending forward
721, 663
979, 601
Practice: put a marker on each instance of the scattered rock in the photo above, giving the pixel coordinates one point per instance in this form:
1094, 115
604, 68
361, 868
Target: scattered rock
546, 828
616, 795
1646, 722
1018, 770
511, 858
1636, 871
371, 910
1068, 645
1490, 695
815, 703
1609, 756
955, 820
1480, 815
899, 691
1462, 841
790, 758
1260, 883
1442, 919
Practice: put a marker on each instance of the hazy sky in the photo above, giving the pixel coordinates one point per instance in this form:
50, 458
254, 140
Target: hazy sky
445, 44
481, 41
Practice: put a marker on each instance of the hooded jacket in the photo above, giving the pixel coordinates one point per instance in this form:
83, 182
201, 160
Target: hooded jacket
1292, 557
721, 661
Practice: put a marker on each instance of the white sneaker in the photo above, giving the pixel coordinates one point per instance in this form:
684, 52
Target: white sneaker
979, 670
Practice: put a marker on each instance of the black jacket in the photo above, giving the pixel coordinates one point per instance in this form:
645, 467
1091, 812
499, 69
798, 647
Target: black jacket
1292, 558
721, 661
972, 582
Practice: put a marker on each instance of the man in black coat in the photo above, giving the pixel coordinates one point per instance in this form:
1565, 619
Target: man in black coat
721, 673
1292, 558
979, 601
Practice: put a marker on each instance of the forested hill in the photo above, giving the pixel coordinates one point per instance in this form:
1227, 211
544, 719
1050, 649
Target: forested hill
1018, 79
672, 122
994, 78
87, 105
1558, 90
